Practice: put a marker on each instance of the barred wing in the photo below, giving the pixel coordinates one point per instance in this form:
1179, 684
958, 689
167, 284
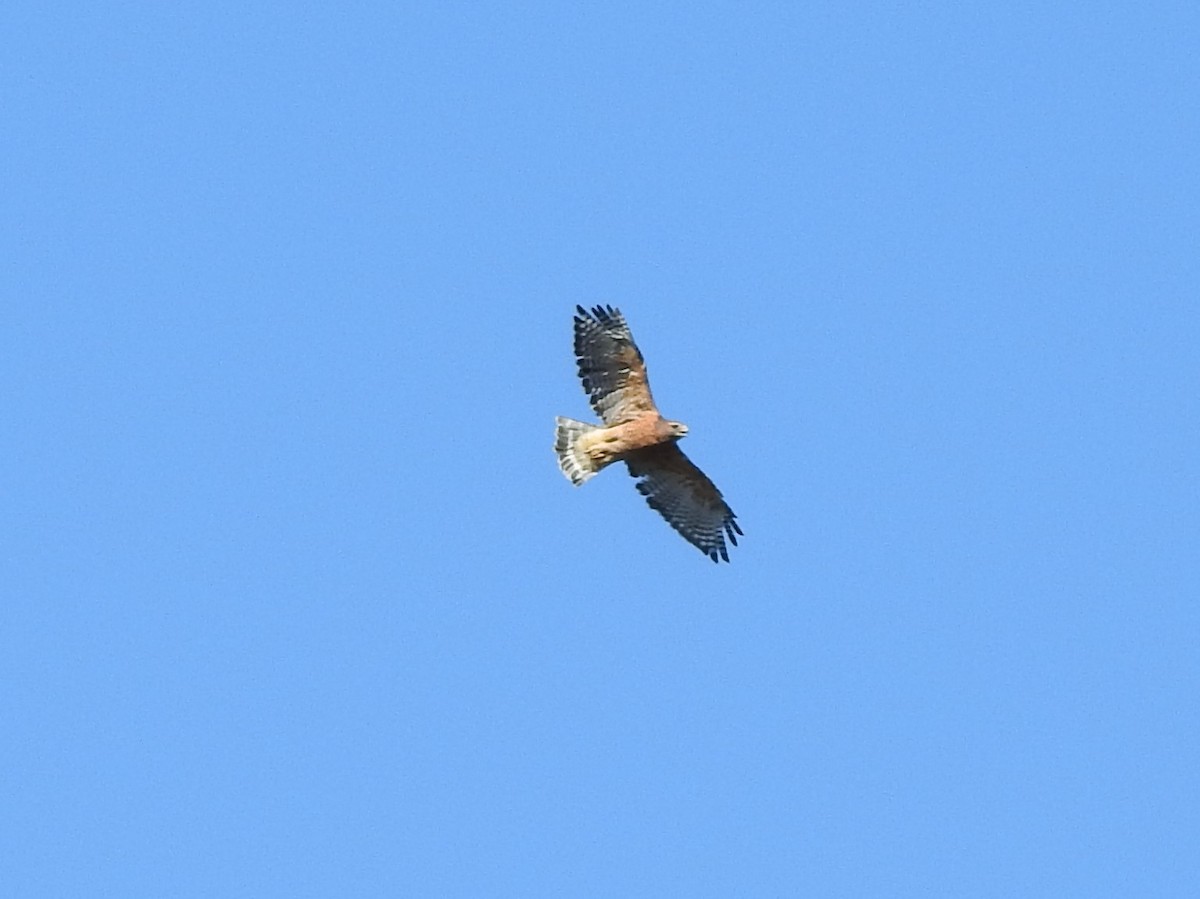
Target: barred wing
610, 365
680, 492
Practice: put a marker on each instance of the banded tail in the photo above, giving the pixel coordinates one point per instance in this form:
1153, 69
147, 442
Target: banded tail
573, 461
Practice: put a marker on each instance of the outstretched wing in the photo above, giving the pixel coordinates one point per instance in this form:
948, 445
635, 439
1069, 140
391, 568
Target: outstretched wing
610, 365
680, 492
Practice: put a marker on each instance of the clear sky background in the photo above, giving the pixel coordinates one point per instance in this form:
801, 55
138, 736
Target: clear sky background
296, 602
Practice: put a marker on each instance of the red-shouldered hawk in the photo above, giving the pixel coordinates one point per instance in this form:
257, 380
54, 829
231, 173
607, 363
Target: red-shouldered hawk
614, 377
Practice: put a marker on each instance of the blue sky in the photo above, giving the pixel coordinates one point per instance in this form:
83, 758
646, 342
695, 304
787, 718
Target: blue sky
297, 602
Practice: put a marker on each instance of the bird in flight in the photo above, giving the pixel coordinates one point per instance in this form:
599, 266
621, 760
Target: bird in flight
614, 377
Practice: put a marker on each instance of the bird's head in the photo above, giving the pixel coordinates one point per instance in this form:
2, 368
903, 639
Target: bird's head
678, 429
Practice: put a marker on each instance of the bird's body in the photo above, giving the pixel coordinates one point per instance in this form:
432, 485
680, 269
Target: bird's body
633, 431
596, 447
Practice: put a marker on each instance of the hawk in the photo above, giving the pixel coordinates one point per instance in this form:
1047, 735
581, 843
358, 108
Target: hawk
614, 378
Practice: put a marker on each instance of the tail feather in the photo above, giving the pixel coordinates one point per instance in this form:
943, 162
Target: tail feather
574, 463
